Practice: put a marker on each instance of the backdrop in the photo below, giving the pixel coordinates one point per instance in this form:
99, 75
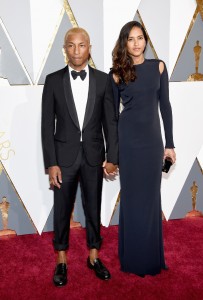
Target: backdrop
31, 40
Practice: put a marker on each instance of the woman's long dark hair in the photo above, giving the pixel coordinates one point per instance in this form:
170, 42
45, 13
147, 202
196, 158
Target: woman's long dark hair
122, 62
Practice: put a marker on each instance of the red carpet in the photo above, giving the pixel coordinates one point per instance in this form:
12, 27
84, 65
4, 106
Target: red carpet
27, 263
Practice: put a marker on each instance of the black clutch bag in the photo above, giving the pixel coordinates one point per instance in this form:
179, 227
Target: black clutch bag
166, 165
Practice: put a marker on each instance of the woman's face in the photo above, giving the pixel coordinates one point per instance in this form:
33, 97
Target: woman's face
136, 43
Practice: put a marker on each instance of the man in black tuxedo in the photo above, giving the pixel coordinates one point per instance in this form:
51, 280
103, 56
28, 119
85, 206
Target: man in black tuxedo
77, 108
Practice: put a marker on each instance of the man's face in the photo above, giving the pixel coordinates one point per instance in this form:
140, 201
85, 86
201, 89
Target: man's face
77, 49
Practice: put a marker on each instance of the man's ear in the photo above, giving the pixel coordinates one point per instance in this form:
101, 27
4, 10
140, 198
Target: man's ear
65, 56
90, 48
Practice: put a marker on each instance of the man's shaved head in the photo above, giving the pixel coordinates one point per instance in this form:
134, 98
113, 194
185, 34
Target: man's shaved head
76, 30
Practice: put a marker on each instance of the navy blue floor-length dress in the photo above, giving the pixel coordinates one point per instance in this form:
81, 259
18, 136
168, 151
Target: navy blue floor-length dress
140, 164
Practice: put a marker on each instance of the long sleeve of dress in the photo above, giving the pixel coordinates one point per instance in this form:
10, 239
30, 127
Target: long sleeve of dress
165, 108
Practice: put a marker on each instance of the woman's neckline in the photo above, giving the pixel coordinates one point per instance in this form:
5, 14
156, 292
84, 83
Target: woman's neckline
140, 63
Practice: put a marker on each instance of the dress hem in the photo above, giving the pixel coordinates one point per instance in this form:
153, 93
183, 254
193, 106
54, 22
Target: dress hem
145, 274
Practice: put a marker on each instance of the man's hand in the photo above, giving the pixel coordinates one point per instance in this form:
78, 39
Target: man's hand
109, 168
55, 177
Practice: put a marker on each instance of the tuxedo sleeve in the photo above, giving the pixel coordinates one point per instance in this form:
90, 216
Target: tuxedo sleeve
116, 94
110, 124
48, 124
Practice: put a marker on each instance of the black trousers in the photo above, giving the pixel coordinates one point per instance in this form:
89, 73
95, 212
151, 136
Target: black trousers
91, 179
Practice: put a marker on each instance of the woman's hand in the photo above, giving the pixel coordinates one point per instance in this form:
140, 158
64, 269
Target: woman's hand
171, 154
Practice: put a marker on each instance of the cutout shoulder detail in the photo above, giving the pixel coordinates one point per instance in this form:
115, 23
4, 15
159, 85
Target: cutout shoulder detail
115, 78
161, 67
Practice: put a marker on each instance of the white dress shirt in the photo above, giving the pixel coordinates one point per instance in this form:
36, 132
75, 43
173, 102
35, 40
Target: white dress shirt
80, 90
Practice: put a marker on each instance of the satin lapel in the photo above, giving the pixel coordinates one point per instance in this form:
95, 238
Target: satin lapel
91, 97
69, 97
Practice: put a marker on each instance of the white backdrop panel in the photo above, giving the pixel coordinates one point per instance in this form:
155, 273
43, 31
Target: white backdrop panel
180, 19
21, 111
116, 14
187, 105
44, 18
16, 19
167, 23
89, 15
156, 17
110, 193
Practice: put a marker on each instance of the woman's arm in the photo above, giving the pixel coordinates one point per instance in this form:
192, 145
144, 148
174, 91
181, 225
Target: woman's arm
166, 112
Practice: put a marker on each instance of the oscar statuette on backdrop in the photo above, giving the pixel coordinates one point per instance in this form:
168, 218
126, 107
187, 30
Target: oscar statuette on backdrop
197, 52
4, 208
194, 212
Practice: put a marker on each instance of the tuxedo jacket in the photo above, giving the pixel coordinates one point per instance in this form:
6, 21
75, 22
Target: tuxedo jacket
61, 133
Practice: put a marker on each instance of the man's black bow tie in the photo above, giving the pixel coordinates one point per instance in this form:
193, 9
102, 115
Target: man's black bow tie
82, 74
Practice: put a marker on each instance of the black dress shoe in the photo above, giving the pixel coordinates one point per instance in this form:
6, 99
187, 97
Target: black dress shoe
100, 270
60, 275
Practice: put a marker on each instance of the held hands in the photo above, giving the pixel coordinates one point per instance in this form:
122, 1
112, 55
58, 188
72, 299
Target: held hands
109, 168
55, 177
171, 154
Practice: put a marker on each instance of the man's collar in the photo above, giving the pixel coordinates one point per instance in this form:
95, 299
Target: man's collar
86, 68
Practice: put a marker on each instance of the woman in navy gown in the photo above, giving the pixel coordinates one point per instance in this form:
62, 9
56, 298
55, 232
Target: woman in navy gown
142, 84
